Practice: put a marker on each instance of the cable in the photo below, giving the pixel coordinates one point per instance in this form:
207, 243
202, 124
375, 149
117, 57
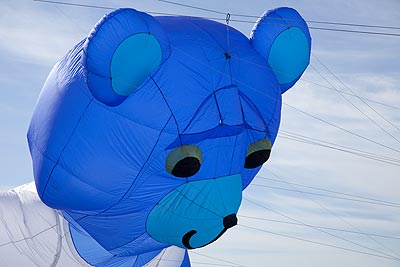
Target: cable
339, 217
319, 243
351, 103
202, 263
104, 7
326, 29
354, 31
354, 24
29, 237
319, 141
309, 21
214, 258
325, 190
347, 93
320, 230
341, 128
325, 195
305, 141
321, 28
190, 6
73, 4
220, 19
322, 227
348, 88
339, 149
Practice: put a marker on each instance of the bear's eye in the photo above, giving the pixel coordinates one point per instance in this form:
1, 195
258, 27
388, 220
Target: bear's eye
257, 153
184, 161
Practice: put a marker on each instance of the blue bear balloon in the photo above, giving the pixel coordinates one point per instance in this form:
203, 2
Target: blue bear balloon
146, 132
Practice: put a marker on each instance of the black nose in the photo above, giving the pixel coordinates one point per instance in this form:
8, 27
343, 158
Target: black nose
230, 221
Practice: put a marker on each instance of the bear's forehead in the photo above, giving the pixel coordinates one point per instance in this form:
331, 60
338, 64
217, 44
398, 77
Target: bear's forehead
201, 85
203, 37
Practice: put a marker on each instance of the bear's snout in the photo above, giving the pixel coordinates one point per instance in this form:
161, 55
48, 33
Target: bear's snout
196, 213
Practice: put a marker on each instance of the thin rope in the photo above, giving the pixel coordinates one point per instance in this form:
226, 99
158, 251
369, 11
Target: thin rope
348, 88
324, 195
301, 137
318, 226
319, 243
220, 19
393, 162
214, 258
340, 217
323, 189
352, 104
322, 231
341, 128
294, 20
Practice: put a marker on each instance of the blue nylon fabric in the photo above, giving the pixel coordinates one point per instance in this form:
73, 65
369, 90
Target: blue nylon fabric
186, 260
94, 254
99, 146
264, 34
122, 23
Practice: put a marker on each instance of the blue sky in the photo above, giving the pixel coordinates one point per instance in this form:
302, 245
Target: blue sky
35, 35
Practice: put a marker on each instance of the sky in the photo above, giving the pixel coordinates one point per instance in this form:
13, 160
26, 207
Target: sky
277, 219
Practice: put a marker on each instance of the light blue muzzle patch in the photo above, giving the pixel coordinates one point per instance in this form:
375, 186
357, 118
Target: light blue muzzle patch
196, 213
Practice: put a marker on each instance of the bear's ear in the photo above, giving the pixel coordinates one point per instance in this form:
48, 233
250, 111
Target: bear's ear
281, 36
121, 52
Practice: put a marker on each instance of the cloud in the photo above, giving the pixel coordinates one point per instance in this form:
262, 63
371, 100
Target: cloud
41, 33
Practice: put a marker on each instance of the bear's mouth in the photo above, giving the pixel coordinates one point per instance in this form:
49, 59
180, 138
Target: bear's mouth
188, 235
229, 222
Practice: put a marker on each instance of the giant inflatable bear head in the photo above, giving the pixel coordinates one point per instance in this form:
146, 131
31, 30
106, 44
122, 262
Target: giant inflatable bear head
146, 132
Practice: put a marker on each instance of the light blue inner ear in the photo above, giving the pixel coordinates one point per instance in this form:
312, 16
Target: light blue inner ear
289, 55
133, 61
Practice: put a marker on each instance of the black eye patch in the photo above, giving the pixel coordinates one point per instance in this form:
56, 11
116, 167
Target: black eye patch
257, 153
184, 161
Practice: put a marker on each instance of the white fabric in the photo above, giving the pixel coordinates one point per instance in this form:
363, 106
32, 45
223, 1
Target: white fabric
169, 257
31, 234
34, 235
